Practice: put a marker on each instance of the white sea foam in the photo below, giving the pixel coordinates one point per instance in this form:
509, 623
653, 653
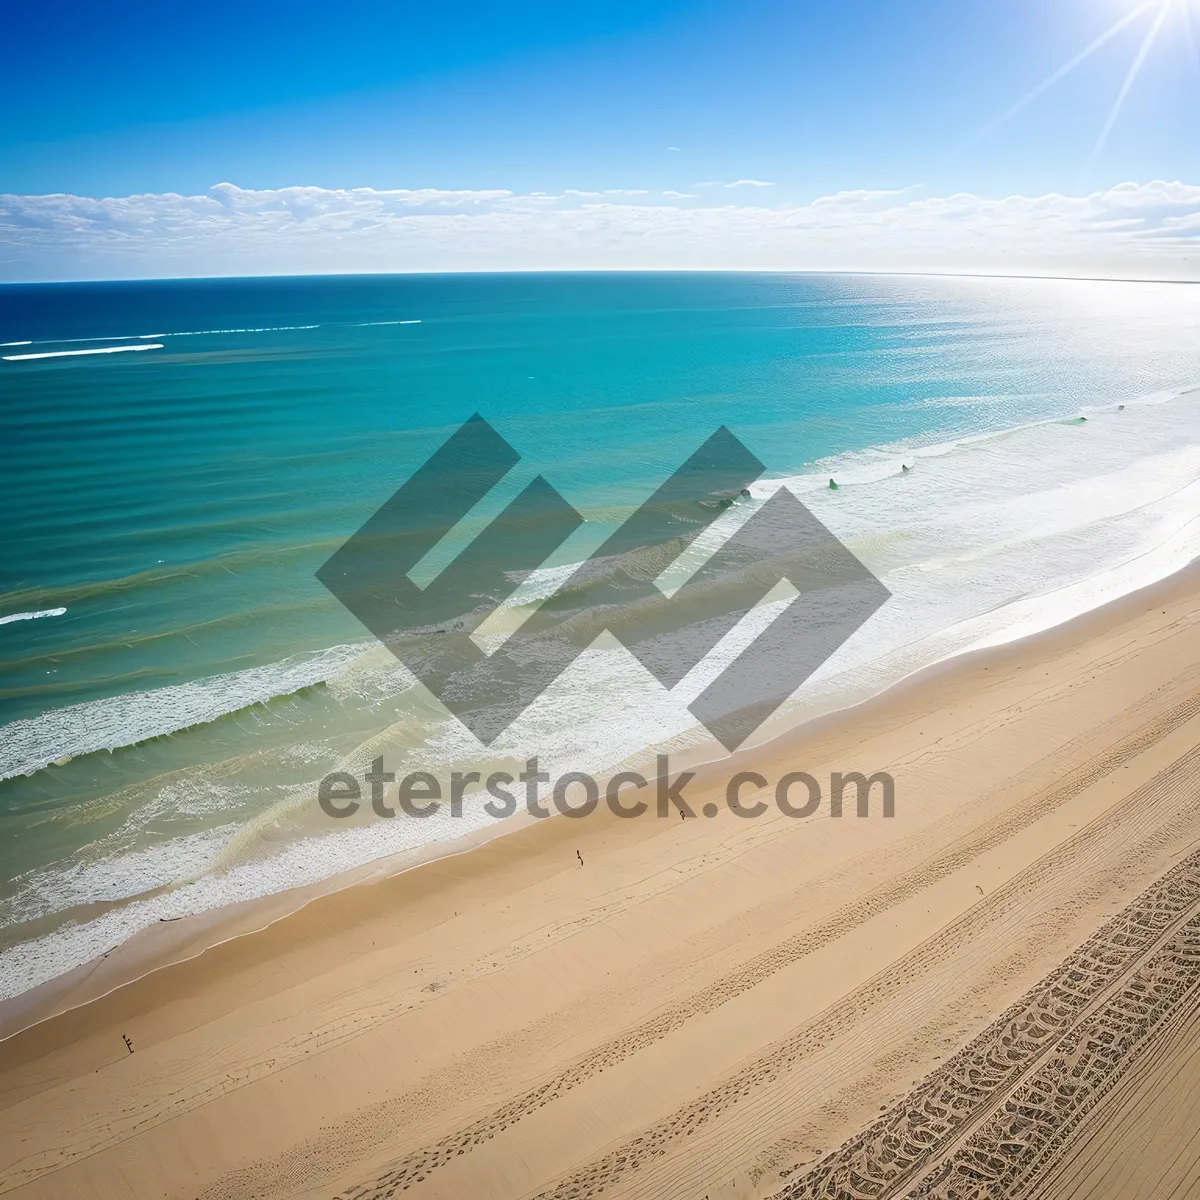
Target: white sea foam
30, 744
75, 353
108, 873
134, 337
209, 332
29, 963
32, 616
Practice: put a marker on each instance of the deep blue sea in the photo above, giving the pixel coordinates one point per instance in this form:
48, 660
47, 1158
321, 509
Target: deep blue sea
175, 679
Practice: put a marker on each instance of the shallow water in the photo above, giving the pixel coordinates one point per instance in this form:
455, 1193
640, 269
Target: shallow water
175, 679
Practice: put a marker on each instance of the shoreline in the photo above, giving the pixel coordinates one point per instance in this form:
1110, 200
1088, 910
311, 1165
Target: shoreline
179, 941
655, 1008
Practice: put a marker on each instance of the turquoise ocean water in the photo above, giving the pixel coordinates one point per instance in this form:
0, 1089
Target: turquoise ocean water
175, 680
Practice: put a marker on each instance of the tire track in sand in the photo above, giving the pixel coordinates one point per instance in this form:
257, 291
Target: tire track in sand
416, 1167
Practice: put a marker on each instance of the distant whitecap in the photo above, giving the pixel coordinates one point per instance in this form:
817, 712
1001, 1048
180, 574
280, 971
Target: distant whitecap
32, 616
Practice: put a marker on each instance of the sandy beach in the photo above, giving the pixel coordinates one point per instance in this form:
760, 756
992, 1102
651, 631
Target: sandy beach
992, 992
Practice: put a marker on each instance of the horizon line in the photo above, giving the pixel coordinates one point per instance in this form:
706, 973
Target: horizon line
927, 274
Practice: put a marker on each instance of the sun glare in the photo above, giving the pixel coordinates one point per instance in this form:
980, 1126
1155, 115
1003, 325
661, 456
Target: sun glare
1153, 15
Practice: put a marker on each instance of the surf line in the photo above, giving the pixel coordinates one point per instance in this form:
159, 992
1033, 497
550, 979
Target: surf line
32, 616
74, 353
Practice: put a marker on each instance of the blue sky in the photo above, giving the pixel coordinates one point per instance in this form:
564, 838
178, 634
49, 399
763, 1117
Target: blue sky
656, 96
817, 97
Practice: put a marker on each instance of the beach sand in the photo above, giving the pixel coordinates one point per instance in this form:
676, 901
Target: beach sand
995, 992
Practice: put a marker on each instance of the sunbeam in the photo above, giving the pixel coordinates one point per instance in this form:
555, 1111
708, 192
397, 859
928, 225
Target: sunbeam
1189, 27
1061, 73
1130, 79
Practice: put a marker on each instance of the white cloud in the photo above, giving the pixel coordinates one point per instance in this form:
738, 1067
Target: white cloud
721, 183
862, 198
1132, 230
608, 192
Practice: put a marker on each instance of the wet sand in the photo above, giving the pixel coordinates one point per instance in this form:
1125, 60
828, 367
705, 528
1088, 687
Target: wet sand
992, 990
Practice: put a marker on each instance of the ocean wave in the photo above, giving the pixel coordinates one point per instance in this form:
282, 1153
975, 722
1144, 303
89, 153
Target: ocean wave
876, 463
28, 745
134, 337
32, 616
76, 353
108, 874
159, 575
871, 465
209, 332
34, 961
